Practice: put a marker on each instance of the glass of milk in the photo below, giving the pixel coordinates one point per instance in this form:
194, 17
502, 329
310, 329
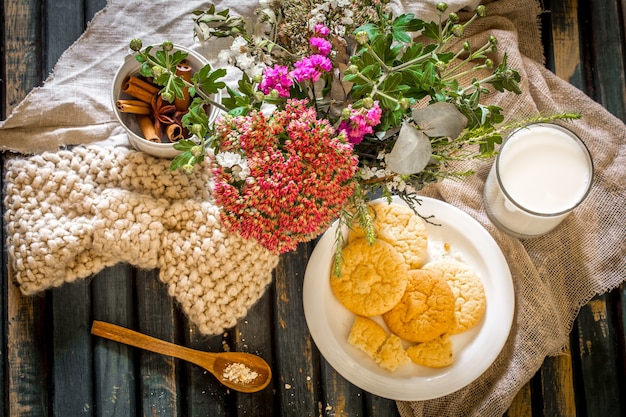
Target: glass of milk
542, 172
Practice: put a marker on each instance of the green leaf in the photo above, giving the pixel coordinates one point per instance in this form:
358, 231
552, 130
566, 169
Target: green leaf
207, 80
177, 57
431, 30
506, 78
408, 23
370, 28
184, 145
412, 52
403, 24
180, 160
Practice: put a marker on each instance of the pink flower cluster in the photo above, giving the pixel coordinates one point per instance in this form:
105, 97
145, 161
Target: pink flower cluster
308, 68
301, 175
276, 78
360, 122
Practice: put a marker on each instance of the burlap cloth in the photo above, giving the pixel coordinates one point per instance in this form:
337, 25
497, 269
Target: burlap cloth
553, 276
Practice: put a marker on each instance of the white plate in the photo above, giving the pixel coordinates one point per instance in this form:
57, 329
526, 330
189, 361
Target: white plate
474, 351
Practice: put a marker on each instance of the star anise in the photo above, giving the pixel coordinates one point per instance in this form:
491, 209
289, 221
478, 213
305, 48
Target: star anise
163, 113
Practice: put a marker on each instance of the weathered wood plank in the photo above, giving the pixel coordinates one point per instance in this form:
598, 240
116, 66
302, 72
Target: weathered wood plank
378, 406
26, 376
92, 7
564, 55
72, 377
254, 334
605, 32
557, 385
595, 325
598, 362
298, 369
114, 366
204, 395
64, 23
22, 50
26, 341
158, 376
341, 398
72, 374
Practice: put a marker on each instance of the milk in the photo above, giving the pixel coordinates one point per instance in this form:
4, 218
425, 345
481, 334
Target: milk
541, 174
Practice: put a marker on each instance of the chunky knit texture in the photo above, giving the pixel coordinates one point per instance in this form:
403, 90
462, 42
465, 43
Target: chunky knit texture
69, 214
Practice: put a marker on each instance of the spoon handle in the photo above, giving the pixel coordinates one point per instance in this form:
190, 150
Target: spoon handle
152, 344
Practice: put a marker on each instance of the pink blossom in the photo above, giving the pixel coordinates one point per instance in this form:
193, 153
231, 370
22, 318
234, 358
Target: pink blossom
321, 45
360, 122
311, 68
276, 78
301, 175
321, 29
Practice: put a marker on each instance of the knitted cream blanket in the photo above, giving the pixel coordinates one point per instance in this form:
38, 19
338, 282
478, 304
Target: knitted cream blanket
70, 214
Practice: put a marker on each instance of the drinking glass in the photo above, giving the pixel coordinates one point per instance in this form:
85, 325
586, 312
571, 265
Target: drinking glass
542, 173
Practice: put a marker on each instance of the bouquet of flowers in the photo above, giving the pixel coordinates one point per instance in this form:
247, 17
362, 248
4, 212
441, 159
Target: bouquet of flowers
337, 102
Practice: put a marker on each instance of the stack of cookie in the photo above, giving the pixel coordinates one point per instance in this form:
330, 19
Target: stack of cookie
421, 303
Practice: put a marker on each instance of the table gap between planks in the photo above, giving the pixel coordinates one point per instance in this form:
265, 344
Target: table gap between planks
51, 366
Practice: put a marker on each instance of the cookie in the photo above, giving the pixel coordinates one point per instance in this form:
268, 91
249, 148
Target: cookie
392, 354
426, 309
399, 226
367, 335
468, 290
373, 278
436, 353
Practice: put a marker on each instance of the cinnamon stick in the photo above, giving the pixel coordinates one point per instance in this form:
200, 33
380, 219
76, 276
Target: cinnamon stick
133, 106
174, 132
147, 128
137, 92
139, 89
144, 85
183, 70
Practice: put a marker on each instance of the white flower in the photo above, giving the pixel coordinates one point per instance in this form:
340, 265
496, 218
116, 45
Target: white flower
239, 45
255, 70
245, 62
234, 163
241, 172
228, 159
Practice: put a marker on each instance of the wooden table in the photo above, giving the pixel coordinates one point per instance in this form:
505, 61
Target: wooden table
51, 366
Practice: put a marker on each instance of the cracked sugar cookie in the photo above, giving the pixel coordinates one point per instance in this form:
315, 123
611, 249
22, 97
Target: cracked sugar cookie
367, 335
399, 226
426, 309
373, 278
468, 290
392, 354
436, 353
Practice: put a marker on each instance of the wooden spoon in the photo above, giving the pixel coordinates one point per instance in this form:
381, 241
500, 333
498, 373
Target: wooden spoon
239, 371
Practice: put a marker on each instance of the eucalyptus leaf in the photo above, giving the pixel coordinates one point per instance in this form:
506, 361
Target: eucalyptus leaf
440, 119
411, 152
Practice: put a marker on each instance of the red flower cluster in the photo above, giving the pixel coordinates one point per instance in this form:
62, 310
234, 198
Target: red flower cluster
301, 175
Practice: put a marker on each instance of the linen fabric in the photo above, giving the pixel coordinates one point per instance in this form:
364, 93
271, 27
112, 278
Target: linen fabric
553, 275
